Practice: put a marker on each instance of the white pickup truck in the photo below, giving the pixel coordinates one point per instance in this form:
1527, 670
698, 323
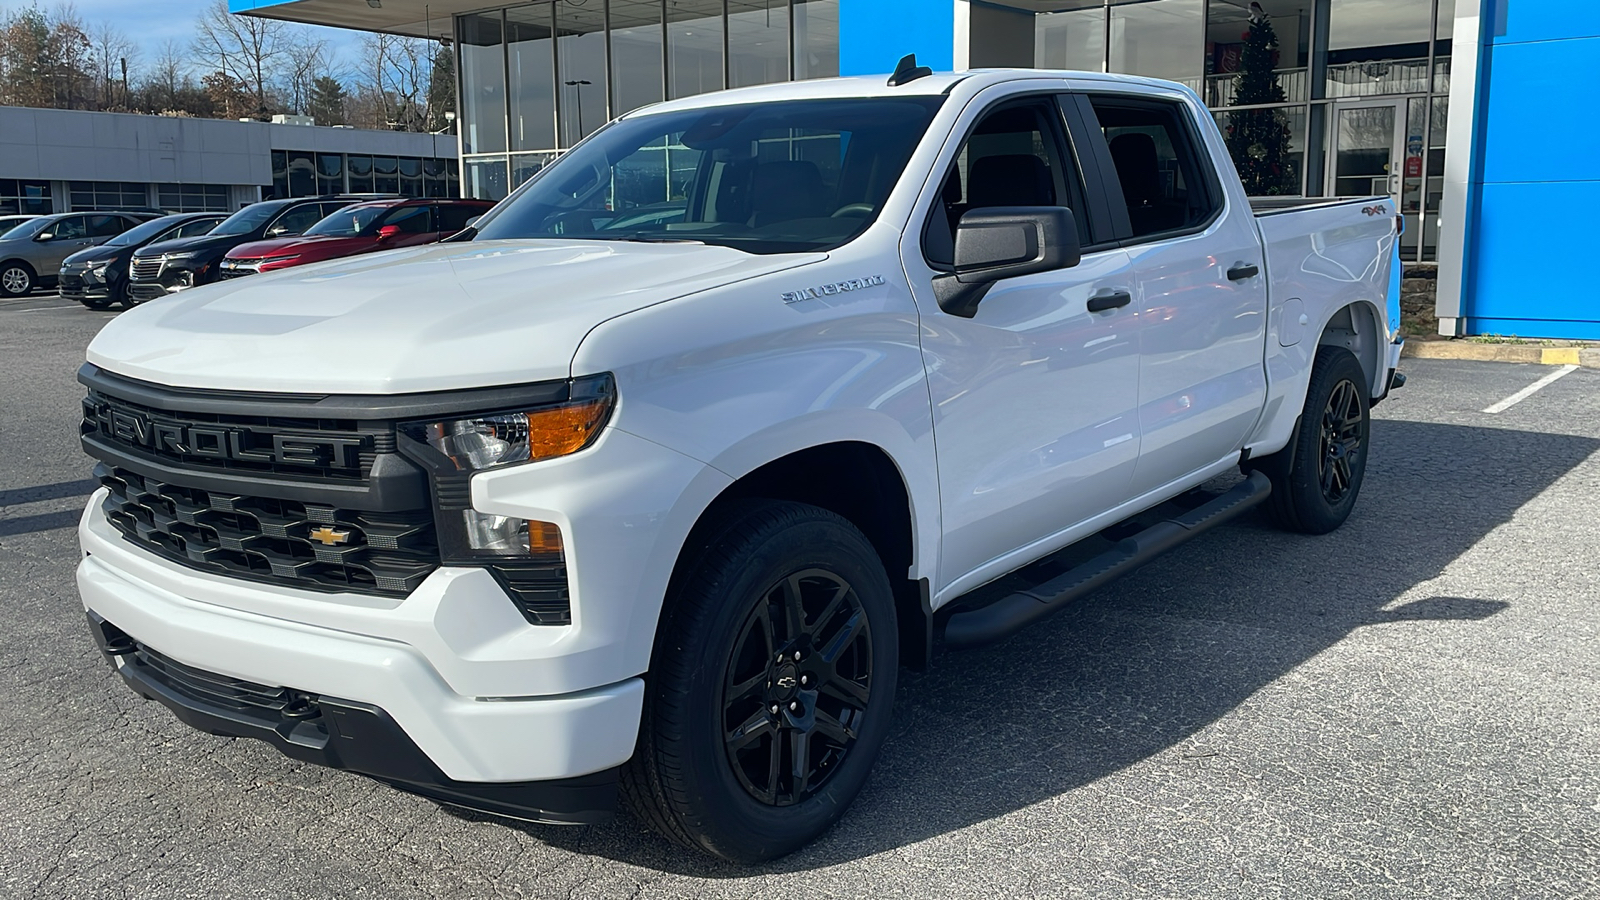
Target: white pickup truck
648, 484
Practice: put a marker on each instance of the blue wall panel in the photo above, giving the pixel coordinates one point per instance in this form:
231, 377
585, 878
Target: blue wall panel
1532, 136
874, 34
1538, 173
1545, 20
1519, 278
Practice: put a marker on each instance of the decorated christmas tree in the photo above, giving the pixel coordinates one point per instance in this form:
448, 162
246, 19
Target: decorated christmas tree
1258, 139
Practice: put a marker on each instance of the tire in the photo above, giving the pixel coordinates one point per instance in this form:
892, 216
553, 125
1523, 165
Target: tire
17, 279
1317, 478
715, 768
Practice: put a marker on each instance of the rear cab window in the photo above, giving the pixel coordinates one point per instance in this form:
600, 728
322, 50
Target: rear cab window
1166, 182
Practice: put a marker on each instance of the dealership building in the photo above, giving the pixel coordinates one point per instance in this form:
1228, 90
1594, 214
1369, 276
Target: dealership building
60, 160
1446, 105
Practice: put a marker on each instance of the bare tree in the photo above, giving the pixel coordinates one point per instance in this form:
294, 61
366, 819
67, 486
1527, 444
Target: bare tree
393, 90
168, 75
306, 60
114, 54
249, 50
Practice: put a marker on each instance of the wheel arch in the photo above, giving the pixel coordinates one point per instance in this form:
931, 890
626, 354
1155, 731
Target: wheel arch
861, 482
1357, 327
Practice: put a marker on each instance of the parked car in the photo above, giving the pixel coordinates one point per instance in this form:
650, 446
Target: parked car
98, 277
361, 228
9, 222
562, 509
161, 268
31, 253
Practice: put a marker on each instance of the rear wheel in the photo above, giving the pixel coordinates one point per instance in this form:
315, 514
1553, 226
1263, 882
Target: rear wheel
770, 690
16, 279
1316, 479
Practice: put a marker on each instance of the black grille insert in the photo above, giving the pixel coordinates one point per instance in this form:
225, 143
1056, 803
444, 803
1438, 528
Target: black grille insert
301, 545
209, 687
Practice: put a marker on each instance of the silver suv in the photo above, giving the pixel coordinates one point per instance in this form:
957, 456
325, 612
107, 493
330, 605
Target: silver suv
31, 253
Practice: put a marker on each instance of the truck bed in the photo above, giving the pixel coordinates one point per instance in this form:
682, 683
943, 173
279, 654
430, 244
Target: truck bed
1271, 206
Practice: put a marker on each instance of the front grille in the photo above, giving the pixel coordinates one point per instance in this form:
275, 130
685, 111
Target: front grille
330, 449
226, 273
209, 687
301, 545
69, 282
147, 269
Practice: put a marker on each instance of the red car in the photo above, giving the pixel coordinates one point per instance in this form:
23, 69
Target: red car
361, 228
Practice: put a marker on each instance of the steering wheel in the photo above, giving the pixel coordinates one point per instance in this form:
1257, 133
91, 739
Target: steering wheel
853, 211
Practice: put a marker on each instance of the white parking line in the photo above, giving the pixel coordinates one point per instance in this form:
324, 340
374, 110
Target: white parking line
1530, 390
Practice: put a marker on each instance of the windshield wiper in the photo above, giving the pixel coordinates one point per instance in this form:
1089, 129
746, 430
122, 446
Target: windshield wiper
643, 239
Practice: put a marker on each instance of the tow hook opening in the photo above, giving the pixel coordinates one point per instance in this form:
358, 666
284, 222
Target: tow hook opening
301, 706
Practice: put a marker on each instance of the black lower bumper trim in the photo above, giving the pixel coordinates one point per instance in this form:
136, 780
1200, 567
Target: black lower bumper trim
355, 737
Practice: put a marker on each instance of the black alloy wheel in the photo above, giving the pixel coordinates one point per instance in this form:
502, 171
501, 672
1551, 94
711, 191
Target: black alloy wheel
797, 687
1343, 425
771, 685
1317, 477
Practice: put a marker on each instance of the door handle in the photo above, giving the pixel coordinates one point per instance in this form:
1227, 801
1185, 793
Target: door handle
1109, 300
1241, 271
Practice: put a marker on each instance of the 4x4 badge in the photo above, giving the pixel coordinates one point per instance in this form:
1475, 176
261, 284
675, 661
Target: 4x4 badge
329, 536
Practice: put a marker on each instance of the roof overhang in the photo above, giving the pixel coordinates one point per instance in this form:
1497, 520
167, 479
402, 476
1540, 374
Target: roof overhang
413, 18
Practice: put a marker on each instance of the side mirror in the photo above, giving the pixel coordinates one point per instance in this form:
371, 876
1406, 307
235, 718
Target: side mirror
473, 221
995, 243
388, 232
43, 236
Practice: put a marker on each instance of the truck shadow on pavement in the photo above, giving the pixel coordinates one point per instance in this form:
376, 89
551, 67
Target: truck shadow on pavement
1145, 664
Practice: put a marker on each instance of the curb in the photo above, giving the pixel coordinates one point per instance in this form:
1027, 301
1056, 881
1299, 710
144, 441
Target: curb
1588, 357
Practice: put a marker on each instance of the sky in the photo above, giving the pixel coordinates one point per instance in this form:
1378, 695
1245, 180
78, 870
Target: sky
151, 22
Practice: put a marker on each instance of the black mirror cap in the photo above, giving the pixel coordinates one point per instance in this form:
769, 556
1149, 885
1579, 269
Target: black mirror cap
995, 243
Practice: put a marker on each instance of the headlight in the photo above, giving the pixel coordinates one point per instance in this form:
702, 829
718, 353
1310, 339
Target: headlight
179, 257
469, 444
544, 432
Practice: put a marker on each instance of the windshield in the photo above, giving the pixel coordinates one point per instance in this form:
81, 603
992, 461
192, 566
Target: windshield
348, 222
141, 233
26, 230
760, 177
248, 219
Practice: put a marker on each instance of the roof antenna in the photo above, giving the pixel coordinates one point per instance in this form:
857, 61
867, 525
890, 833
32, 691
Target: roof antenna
908, 70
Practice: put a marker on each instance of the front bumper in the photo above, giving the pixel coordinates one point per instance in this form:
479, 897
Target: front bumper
79, 285
460, 711
339, 734
146, 290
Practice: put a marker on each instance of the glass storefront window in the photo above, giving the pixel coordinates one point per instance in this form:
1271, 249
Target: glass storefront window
433, 182
330, 173
1161, 39
636, 73
694, 47
1257, 61
1442, 45
411, 176
485, 177
302, 173
1071, 38
1378, 47
24, 197
1268, 147
532, 74
385, 175
582, 54
360, 169
816, 38
280, 175
758, 42
483, 80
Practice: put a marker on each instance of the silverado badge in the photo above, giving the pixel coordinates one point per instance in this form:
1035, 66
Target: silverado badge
330, 536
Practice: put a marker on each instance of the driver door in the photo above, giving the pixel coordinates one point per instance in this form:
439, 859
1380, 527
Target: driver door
1035, 397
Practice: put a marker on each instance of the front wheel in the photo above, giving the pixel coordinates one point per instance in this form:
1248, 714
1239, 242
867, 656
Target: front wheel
16, 279
1316, 479
770, 690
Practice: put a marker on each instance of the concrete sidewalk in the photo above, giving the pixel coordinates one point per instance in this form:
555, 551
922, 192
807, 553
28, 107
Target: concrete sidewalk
1588, 357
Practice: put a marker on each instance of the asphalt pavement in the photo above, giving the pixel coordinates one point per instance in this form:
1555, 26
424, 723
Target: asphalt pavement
1408, 707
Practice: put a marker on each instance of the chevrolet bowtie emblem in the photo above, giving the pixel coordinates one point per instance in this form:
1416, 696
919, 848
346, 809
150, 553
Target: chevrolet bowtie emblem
330, 536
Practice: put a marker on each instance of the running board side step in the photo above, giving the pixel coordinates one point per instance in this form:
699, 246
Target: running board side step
1012, 613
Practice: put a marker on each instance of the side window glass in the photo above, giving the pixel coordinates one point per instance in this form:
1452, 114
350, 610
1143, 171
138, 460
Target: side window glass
296, 220
1157, 164
411, 220
454, 218
195, 229
69, 229
107, 226
1012, 157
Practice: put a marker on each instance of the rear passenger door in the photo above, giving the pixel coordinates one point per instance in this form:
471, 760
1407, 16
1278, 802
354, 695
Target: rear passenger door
1034, 396
1199, 284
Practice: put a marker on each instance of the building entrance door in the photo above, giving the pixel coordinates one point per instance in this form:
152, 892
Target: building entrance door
1368, 148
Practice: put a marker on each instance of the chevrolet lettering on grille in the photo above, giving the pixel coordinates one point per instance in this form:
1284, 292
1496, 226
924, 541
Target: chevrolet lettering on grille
187, 439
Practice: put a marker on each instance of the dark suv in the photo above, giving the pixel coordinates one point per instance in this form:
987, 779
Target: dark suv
167, 266
98, 277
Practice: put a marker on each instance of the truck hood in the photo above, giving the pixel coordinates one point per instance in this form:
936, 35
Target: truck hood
436, 317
